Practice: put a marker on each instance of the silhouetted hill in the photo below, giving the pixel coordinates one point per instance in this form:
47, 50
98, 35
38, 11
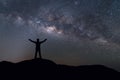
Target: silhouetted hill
39, 69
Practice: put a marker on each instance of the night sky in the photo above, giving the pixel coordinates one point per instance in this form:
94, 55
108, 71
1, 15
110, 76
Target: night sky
79, 32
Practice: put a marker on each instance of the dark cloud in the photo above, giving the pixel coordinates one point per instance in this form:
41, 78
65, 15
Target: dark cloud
105, 6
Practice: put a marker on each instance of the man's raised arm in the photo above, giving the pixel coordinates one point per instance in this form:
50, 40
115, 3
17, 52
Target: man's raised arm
31, 40
43, 41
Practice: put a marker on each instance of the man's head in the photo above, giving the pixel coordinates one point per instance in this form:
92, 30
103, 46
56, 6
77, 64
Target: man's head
37, 40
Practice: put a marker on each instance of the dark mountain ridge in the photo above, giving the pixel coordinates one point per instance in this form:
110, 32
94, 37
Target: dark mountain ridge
46, 69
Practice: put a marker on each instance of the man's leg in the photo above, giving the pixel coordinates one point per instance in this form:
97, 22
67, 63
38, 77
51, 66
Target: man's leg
40, 54
35, 54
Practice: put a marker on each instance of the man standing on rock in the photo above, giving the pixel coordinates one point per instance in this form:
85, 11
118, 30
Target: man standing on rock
38, 47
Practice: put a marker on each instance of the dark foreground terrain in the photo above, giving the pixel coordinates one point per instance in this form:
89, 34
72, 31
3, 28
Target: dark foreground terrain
42, 69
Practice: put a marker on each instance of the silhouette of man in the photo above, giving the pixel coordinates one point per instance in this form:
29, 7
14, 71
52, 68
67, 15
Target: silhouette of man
38, 47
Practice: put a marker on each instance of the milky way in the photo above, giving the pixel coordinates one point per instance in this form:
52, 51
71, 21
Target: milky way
87, 30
